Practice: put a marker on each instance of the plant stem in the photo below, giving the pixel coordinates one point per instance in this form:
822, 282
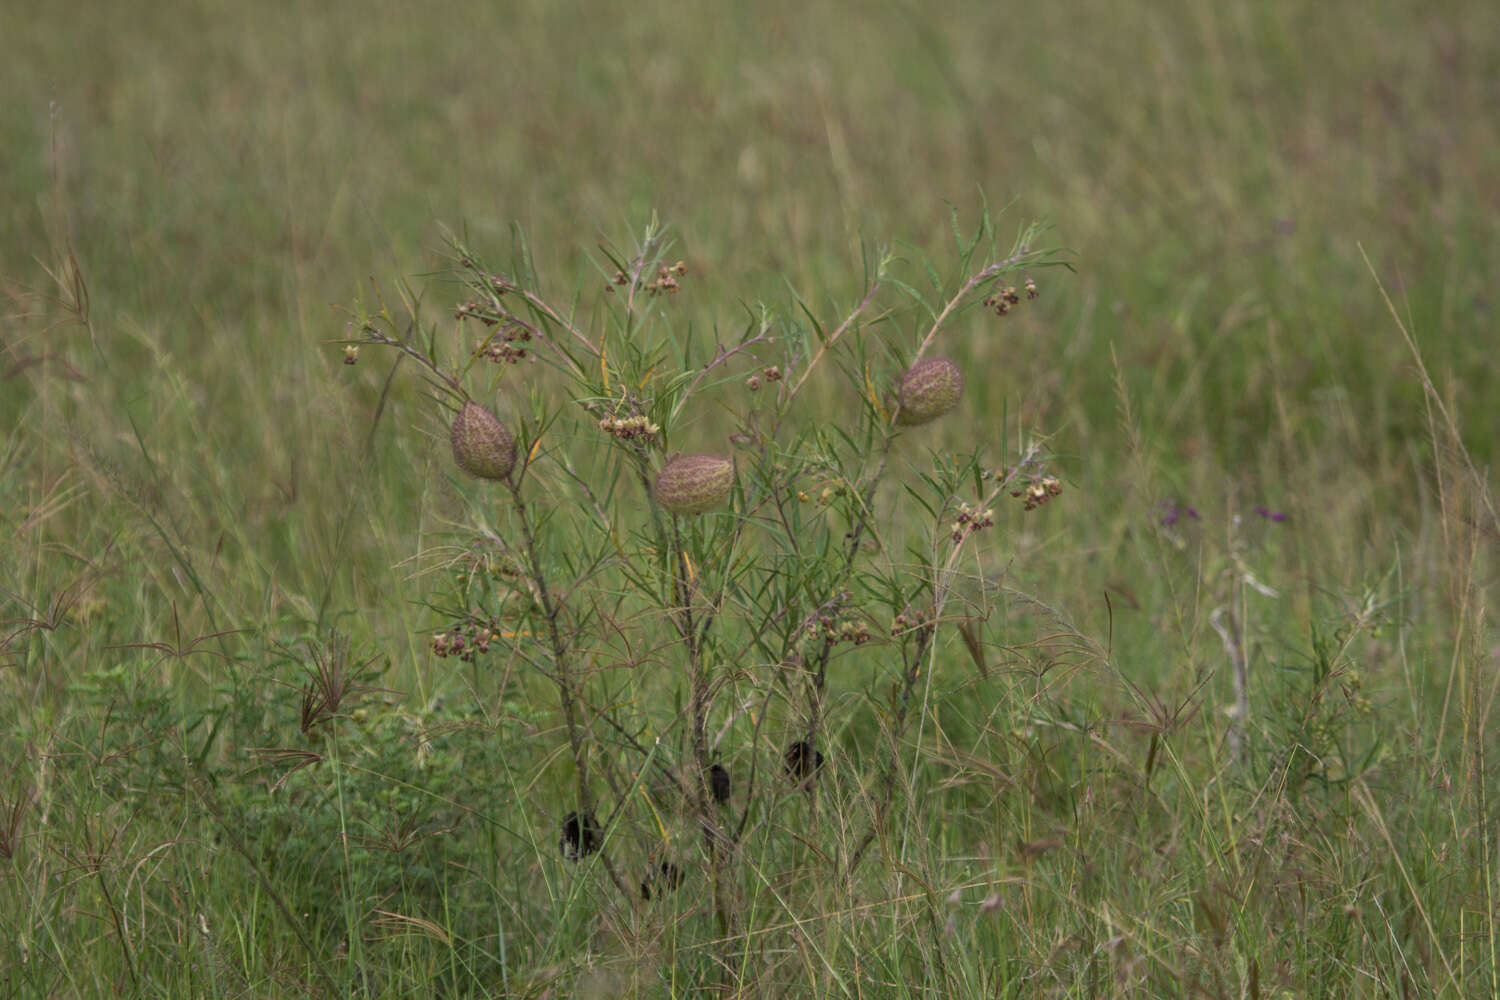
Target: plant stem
974, 282
698, 695
114, 916
565, 678
893, 757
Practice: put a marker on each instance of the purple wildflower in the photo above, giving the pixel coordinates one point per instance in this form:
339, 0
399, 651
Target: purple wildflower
1171, 513
1269, 514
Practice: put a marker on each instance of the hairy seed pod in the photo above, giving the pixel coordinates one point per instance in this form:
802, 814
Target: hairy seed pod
927, 390
482, 446
692, 484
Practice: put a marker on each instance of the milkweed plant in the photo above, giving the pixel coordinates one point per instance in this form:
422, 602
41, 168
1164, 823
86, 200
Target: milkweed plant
719, 559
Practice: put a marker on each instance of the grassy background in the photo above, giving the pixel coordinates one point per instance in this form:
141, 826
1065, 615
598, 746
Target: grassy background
180, 448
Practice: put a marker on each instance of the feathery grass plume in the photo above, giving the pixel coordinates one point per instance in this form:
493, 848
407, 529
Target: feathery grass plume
692, 484
334, 676
482, 446
927, 390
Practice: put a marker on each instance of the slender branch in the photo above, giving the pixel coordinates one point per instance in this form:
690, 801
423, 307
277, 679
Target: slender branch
114, 916
494, 285
533, 300
974, 282
420, 358
1228, 627
698, 702
718, 360
504, 315
638, 266
566, 679
834, 338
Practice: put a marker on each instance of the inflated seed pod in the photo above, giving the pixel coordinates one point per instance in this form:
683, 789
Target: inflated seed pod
692, 484
927, 390
482, 446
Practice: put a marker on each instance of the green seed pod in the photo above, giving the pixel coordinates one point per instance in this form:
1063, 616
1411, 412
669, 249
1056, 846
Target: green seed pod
927, 390
692, 484
482, 446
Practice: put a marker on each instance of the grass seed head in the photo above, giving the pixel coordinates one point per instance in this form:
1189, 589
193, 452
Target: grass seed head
692, 484
482, 446
927, 390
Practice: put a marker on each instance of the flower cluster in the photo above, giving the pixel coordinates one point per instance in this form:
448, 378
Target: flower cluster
504, 344
772, 373
473, 309
464, 640
1038, 490
825, 497
630, 428
970, 520
666, 278
1171, 513
910, 621
1003, 300
1353, 687
501, 284
834, 631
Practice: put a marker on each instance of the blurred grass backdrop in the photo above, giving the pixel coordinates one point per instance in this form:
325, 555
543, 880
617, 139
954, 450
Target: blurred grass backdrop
190, 188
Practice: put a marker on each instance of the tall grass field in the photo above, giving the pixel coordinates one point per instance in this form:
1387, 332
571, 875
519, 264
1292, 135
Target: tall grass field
550, 500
